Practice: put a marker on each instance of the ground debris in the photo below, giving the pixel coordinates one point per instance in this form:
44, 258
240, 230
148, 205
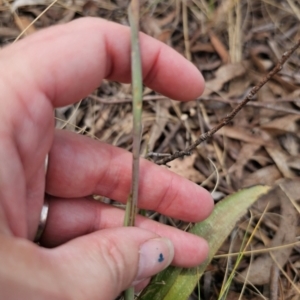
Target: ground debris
234, 44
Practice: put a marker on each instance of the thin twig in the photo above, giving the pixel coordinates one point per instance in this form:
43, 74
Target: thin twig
156, 154
228, 119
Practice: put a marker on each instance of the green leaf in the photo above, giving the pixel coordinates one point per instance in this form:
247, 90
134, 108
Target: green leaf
178, 283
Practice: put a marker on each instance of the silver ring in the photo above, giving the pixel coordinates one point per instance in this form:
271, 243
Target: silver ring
44, 211
46, 163
42, 222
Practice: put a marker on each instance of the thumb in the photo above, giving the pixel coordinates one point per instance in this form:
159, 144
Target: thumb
103, 264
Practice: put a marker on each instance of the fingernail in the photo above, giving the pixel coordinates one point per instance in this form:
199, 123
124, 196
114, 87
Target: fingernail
155, 255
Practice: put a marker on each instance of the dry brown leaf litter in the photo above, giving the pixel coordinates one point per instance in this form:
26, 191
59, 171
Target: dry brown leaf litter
234, 43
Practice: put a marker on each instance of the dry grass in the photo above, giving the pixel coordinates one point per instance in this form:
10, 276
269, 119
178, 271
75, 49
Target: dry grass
234, 43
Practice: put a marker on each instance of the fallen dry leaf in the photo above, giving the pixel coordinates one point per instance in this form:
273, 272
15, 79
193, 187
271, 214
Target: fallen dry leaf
278, 155
260, 269
267, 175
294, 162
23, 22
242, 134
282, 125
201, 47
237, 87
223, 75
185, 168
245, 154
8, 32
219, 47
164, 36
280, 158
264, 65
158, 126
168, 19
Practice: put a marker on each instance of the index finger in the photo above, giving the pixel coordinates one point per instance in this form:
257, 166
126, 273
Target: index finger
67, 62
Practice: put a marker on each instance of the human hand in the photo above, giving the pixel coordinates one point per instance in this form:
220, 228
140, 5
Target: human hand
91, 256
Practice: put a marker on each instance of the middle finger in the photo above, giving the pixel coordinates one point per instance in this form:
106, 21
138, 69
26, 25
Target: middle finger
80, 166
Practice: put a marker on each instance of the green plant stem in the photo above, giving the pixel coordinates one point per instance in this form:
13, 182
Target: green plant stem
129, 294
137, 91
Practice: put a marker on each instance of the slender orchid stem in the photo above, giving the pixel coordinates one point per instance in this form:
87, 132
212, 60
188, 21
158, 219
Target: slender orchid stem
137, 91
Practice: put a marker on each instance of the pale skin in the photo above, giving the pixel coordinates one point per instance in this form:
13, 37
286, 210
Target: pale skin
86, 254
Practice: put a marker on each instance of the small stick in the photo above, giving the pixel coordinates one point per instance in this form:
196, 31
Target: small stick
156, 154
203, 137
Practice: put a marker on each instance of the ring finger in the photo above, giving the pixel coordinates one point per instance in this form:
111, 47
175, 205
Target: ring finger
71, 218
